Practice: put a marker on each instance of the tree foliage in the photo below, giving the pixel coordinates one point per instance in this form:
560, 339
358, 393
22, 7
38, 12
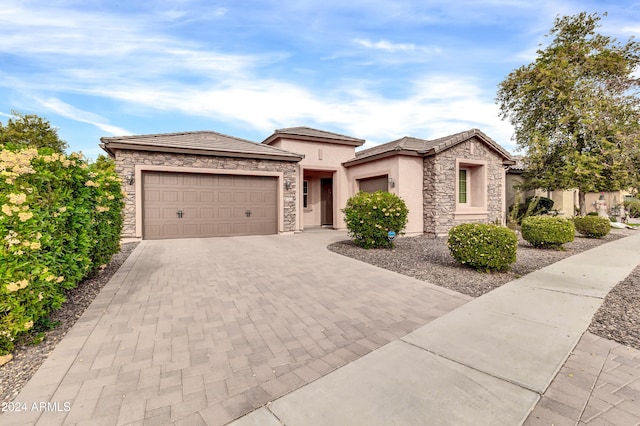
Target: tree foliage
576, 110
30, 131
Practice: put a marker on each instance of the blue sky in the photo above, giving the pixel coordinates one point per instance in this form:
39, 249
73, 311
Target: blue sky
373, 69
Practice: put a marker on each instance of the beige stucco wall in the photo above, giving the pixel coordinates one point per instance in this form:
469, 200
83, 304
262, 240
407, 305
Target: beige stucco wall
139, 161
564, 201
611, 199
441, 210
406, 173
327, 158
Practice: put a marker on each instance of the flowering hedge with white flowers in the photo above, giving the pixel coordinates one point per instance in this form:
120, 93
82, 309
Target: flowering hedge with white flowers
60, 219
370, 217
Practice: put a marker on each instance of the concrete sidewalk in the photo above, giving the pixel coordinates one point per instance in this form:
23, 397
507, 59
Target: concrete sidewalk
487, 362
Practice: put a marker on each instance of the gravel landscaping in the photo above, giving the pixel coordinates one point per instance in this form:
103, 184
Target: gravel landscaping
28, 356
428, 259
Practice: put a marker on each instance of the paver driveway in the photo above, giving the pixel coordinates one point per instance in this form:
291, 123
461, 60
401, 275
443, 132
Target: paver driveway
202, 331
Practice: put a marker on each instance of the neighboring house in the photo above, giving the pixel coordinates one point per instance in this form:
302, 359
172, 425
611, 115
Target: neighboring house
564, 201
203, 184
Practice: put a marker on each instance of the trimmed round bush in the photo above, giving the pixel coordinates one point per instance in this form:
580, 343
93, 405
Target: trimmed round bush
592, 226
547, 231
482, 246
370, 217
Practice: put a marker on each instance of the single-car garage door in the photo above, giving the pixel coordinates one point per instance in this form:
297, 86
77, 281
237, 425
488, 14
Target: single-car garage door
187, 205
373, 184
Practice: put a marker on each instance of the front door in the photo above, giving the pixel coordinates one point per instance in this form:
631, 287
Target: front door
326, 201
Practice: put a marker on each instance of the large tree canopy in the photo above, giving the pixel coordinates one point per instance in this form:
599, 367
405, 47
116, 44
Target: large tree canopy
576, 110
30, 130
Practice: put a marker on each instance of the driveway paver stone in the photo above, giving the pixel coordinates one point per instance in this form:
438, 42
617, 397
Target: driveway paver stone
202, 331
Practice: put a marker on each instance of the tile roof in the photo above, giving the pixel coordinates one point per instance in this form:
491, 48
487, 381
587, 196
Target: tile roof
410, 145
315, 134
208, 142
519, 165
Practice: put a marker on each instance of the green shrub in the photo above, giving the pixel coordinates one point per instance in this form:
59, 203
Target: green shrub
482, 246
532, 206
633, 207
592, 226
370, 217
547, 231
59, 220
592, 214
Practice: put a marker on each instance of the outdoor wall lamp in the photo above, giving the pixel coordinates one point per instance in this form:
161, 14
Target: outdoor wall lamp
129, 178
287, 184
392, 184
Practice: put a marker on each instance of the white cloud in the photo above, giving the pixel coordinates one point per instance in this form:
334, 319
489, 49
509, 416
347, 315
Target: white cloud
440, 105
128, 59
411, 51
386, 45
65, 110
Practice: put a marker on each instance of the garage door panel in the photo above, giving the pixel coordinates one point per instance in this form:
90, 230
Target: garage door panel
208, 180
170, 179
152, 195
191, 230
225, 212
191, 179
225, 181
212, 205
206, 213
190, 213
171, 229
207, 196
190, 196
170, 196
225, 197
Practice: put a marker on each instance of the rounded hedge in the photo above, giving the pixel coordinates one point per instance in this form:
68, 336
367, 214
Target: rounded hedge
482, 246
547, 231
592, 226
370, 217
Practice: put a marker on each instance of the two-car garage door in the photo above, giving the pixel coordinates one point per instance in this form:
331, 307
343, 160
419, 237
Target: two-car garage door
186, 205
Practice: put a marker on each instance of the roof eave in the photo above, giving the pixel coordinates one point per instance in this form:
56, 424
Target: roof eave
275, 136
507, 158
109, 152
382, 155
111, 147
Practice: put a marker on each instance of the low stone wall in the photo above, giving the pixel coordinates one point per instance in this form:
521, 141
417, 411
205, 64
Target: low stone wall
127, 159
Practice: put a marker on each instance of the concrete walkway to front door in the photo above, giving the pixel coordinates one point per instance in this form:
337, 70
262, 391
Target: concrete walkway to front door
203, 331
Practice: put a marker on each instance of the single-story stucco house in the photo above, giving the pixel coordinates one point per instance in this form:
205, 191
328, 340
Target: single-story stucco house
205, 184
564, 201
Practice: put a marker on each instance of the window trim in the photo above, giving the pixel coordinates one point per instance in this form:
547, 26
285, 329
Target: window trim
476, 185
305, 194
465, 171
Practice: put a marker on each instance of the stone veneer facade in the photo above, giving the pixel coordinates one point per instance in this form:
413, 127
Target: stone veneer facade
439, 193
127, 159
